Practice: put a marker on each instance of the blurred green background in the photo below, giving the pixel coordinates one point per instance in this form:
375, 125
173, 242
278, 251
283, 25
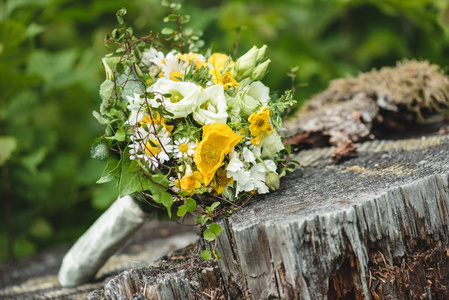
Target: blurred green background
50, 72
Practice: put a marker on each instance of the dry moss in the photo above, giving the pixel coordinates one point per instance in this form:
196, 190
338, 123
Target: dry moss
416, 86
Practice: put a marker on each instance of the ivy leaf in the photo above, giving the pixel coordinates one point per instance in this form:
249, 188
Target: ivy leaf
206, 255
111, 171
99, 150
190, 205
182, 210
106, 90
131, 182
215, 228
209, 235
167, 200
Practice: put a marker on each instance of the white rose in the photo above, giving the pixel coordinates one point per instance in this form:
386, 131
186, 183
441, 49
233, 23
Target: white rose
212, 106
185, 96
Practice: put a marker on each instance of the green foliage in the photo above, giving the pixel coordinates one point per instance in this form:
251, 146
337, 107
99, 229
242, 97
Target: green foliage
50, 74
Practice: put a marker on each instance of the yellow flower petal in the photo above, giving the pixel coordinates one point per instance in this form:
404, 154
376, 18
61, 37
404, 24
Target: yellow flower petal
218, 141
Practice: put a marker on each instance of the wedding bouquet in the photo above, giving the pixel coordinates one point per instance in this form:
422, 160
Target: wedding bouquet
188, 132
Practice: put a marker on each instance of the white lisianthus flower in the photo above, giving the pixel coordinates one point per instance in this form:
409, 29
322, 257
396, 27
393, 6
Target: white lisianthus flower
184, 98
212, 106
183, 148
250, 97
248, 156
271, 144
234, 165
259, 173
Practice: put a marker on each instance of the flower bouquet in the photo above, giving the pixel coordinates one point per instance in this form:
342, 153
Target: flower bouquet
184, 131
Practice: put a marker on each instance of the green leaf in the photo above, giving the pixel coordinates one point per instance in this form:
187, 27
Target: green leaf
217, 254
101, 119
167, 200
120, 135
190, 205
212, 207
133, 166
7, 145
112, 170
172, 17
182, 193
206, 255
34, 159
131, 182
208, 235
167, 31
182, 210
161, 179
215, 228
99, 150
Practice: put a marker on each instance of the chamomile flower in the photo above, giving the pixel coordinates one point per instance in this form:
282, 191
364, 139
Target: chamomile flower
173, 68
153, 148
151, 57
183, 148
173, 183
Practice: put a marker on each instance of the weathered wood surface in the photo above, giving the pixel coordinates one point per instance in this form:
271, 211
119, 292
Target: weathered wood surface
325, 224
36, 277
374, 227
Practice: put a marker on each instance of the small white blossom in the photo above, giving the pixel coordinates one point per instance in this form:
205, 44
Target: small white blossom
183, 148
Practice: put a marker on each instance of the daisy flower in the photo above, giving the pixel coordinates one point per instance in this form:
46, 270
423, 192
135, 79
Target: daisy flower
183, 148
153, 148
151, 57
173, 68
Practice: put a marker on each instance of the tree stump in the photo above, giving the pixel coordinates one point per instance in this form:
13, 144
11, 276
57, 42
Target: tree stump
373, 227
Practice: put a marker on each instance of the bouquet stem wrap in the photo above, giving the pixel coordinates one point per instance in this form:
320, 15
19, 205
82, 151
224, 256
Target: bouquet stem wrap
101, 241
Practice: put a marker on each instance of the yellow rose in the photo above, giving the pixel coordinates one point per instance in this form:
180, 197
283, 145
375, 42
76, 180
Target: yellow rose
218, 141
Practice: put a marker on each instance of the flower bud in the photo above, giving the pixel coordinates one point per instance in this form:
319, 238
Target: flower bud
246, 63
260, 71
272, 181
109, 64
261, 54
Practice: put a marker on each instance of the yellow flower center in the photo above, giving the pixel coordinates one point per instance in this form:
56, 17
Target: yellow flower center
183, 148
222, 179
226, 79
260, 123
176, 75
209, 154
175, 96
151, 150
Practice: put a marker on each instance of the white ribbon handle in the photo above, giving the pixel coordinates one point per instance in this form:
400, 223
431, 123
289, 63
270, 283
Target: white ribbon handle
100, 241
